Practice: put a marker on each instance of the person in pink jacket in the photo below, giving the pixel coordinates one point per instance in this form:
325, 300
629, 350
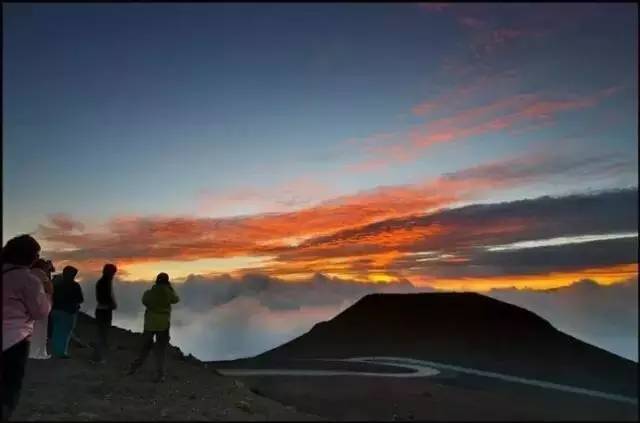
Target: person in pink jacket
24, 301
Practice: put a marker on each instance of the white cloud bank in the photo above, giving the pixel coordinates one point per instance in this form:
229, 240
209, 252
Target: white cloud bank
222, 318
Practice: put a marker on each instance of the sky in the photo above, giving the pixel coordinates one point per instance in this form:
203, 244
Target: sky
446, 146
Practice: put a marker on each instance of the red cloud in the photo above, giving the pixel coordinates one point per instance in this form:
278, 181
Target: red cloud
515, 114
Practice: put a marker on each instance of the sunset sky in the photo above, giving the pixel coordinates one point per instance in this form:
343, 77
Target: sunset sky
466, 146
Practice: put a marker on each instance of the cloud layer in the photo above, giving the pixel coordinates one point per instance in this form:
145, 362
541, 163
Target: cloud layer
605, 316
457, 243
225, 318
369, 235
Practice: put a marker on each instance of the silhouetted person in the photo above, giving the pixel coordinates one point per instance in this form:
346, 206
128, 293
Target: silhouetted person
105, 304
24, 301
157, 319
67, 297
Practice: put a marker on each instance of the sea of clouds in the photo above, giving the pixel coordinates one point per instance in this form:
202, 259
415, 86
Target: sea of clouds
223, 318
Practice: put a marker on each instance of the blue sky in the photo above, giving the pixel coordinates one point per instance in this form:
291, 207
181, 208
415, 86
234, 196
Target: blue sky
145, 110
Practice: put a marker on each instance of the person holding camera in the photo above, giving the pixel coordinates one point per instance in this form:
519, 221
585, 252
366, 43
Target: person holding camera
42, 269
157, 317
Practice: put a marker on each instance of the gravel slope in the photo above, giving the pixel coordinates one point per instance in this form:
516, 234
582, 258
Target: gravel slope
75, 389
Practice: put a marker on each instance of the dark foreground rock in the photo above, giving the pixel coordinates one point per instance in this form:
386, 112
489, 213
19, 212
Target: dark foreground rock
76, 389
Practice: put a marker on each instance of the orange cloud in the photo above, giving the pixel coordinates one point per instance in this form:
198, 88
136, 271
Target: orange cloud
605, 275
329, 237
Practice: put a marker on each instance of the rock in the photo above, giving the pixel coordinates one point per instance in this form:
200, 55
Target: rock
244, 406
238, 385
164, 412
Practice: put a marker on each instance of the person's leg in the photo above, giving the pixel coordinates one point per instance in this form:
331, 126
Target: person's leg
38, 345
101, 329
59, 333
147, 345
45, 323
162, 341
14, 360
70, 323
50, 327
107, 326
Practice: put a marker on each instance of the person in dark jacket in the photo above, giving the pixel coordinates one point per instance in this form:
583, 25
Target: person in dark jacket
67, 297
55, 280
157, 318
105, 304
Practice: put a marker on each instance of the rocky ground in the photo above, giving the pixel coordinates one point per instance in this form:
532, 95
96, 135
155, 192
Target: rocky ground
76, 389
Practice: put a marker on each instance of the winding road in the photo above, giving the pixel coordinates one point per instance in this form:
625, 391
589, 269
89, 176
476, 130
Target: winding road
422, 368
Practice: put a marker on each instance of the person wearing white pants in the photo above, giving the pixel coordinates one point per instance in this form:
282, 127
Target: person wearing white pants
38, 348
42, 269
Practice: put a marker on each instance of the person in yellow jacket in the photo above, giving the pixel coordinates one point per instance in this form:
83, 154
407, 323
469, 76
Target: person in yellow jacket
157, 317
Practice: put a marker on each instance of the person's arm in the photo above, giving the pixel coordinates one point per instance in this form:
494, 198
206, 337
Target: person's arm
45, 279
145, 298
173, 297
36, 300
48, 286
79, 296
114, 305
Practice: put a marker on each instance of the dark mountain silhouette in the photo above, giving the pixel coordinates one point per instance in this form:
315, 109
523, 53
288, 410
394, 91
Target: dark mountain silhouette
464, 329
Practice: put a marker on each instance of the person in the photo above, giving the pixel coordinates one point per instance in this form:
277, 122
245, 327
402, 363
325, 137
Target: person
42, 269
157, 300
24, 301
105, 304
67, 297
